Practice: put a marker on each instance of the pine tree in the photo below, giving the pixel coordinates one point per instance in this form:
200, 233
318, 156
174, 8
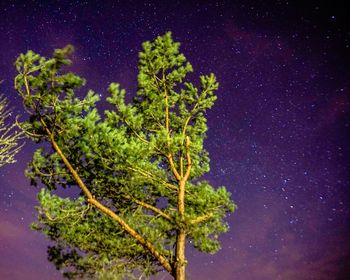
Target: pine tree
138, 166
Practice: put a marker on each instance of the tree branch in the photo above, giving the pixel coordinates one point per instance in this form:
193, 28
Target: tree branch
189, 160
8, 136
201, 219
150, 207
153, 177
137, 135
169, 156
145, 243
173, 167
193, 111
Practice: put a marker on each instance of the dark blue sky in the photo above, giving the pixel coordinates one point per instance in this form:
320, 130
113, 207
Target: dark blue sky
278, 134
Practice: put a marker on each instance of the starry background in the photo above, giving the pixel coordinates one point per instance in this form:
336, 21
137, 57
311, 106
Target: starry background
278, 134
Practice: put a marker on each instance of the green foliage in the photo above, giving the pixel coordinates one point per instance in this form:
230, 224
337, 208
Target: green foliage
122, 157
79, 233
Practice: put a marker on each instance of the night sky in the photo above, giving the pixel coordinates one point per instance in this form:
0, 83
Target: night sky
278, 133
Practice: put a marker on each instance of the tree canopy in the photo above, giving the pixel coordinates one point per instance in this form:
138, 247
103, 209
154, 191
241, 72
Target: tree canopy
138, 166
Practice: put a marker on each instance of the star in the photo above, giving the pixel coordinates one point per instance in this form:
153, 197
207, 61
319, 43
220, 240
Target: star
278, 133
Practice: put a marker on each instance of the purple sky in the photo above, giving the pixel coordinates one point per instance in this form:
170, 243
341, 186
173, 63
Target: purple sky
278, 134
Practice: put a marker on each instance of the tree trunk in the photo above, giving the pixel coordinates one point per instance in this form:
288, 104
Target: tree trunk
180, 266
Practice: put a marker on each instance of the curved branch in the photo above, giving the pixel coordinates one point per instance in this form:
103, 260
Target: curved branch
150, 207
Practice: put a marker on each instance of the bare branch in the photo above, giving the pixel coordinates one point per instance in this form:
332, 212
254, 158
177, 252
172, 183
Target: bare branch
9, 136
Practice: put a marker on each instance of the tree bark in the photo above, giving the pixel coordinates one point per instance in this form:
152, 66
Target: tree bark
180, 266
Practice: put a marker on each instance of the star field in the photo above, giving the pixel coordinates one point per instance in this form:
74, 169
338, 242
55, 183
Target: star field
278, 133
